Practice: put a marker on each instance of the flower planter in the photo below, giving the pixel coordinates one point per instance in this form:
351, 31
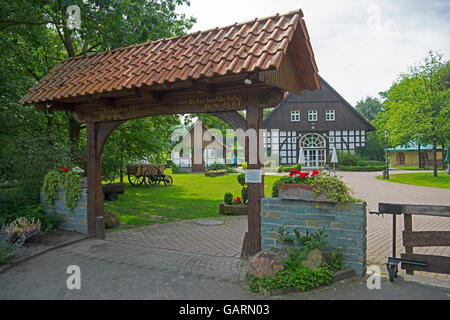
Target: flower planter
300, 192
233, 210
213, 174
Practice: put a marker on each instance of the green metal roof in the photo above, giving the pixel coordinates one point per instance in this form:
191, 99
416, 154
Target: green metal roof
412, 146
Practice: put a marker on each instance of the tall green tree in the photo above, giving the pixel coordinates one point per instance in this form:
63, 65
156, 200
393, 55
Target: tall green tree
418, 104
36, 36
369, 107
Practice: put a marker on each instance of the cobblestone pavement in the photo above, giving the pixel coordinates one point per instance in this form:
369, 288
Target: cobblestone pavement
111, 270
187, 236
379, 228
226, 240
183, 260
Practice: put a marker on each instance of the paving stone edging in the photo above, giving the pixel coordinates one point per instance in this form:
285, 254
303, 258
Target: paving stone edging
6, 267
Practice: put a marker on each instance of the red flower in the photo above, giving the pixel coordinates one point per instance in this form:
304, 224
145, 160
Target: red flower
238, 199
64, 169
292, 173
304, 175
315, 173
297, 172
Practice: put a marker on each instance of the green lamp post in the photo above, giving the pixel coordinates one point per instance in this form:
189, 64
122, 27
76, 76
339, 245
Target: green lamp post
386, 135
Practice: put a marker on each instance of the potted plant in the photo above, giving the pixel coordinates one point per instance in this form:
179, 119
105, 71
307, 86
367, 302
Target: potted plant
233, 206
313, 186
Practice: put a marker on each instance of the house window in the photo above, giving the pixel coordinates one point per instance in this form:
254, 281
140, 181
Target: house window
331, 115
312, 115
295, 116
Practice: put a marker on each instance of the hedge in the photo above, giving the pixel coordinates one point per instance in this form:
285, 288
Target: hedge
360, 168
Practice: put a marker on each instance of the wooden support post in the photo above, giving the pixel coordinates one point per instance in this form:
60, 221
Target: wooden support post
408, 228
97, 135
255, 190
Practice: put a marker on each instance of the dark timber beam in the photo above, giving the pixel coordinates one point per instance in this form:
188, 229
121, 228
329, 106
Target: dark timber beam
252, 240
97, 135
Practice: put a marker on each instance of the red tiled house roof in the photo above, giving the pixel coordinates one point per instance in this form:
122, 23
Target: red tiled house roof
258, 45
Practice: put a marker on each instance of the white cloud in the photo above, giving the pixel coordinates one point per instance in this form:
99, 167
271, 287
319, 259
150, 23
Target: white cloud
360, 46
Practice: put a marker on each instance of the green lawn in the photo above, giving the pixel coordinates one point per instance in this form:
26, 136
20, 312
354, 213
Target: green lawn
421, 179
190, 197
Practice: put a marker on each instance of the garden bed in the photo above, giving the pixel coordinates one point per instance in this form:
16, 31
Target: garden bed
233, 210
44, 243
217, 173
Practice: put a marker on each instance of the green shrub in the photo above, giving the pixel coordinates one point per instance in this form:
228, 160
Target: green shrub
275, 186
363, 169
297, 166
336, 259
228, 198
49, 222
244, 195
241, 179
302, 278
12, 203
216, 166
8, 250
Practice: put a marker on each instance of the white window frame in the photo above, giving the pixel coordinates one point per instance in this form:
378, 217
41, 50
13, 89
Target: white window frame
312, 115
295, 116
331, 115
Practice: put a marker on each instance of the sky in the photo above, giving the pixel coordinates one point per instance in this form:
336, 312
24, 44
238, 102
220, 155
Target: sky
360, 46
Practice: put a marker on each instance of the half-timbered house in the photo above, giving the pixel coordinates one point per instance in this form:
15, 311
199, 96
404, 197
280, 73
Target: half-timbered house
316, 121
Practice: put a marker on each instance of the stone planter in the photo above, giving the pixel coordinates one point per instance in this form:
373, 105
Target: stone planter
70, 219
233, 210
300, 192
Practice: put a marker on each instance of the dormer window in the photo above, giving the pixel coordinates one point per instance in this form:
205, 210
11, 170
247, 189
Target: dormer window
295, 116
312, 115
331, 115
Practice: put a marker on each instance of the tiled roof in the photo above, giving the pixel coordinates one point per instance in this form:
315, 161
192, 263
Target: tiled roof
256, 45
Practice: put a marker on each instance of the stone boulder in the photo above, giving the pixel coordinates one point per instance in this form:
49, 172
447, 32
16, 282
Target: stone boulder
315, 259
112, 221
265, 264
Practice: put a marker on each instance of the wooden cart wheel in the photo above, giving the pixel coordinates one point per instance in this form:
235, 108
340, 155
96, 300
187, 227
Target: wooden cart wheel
135, 180
168, 181
152, 177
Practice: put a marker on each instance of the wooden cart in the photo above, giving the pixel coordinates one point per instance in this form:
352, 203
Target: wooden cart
150, 174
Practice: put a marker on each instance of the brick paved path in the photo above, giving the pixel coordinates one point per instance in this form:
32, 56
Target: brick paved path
111, 270
226, 240
186, 236
379, 228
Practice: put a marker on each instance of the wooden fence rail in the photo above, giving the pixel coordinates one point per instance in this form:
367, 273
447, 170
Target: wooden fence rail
411, 239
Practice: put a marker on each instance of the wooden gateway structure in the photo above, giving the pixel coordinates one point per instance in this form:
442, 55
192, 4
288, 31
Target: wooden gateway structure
246, 66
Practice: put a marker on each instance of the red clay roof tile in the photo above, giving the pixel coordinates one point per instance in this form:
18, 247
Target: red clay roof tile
246, 47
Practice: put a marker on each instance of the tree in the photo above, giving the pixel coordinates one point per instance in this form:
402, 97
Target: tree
35, 34
369, 107
418, 104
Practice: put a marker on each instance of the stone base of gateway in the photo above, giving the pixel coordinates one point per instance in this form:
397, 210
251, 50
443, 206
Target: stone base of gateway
344, 223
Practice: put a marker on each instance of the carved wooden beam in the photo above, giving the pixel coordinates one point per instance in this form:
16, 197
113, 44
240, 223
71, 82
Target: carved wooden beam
224, 100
